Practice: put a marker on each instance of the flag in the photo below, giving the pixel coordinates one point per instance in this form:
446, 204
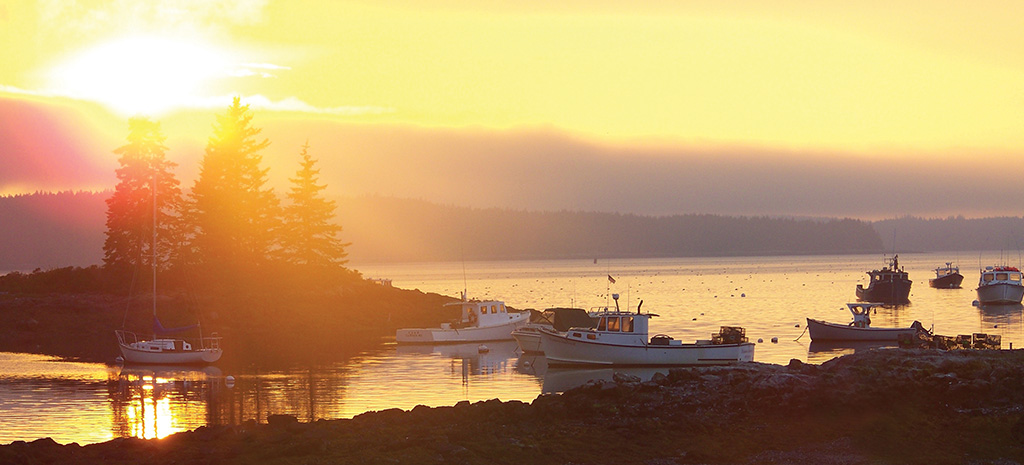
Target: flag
611, 279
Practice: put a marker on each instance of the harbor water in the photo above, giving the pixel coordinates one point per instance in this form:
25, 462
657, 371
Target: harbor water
770, 297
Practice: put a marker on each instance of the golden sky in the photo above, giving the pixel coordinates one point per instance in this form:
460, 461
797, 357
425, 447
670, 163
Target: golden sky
921, 80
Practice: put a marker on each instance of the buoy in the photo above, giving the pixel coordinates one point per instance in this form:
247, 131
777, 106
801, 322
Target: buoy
796, 325
775, 340
743, 294
975, 303
694, 319
229, 381
526, 363
759, 340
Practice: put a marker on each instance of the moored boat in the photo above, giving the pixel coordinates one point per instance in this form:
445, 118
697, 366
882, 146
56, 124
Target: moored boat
557, 319
947, 277
1000, 285
859, 329
888, 284
162, 349
621, 339
480, 320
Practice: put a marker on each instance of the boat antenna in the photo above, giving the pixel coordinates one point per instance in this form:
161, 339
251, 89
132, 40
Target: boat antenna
465, 282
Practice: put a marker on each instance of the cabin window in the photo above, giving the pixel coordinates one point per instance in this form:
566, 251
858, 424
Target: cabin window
1002, 276
591, 336
494, 309
986, 277
602, 325
1015, 276
502, 307
627, 324
483, 310
613, 324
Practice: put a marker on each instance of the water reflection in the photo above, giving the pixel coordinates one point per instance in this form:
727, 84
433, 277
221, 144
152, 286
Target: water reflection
156, 401
468, 359
1004, 320
561, 379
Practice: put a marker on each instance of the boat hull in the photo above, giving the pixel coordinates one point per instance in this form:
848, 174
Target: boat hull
191, 357
949, 281
502, 332
528, 339
825, 331
560, 350
1001, 293
895, 292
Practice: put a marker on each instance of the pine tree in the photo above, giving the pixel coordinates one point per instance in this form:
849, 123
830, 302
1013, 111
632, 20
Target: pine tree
234, 218
310, 235
130, 209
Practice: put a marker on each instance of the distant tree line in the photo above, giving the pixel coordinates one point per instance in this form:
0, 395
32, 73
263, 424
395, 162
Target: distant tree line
418, 230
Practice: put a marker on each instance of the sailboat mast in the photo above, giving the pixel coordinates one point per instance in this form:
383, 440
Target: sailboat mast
152, 246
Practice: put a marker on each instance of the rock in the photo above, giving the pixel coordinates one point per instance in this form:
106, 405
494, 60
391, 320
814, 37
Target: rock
282, 421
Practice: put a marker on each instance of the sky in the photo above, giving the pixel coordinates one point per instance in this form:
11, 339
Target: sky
868, 109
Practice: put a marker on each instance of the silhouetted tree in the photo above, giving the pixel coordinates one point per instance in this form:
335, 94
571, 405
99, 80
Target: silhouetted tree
310, 236
131, 207
234, 218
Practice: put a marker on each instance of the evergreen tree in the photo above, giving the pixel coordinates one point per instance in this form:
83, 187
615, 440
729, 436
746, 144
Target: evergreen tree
234, 219
310, 235
130, 209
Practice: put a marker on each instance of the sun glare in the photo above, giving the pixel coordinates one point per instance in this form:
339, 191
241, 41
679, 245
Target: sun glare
140, 75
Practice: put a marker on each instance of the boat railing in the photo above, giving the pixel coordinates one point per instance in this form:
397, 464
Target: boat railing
211, 342
126, 337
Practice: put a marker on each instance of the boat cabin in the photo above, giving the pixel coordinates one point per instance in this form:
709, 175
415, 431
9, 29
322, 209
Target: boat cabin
482, 313
1000, 275
861, 314
941, 272
615, 327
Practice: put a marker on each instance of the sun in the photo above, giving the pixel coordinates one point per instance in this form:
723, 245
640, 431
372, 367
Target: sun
140, 74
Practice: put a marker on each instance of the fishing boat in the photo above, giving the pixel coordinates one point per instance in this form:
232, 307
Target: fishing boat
947, 277
621, 339
859, 329
1000, 285
164, 348
479, 320
889, 285
558, 319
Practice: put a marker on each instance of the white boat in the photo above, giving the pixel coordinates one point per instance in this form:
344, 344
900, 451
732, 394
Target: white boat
161, 349
167, 351
557, 319
480, 320
1000, 285
620, 338
859, 329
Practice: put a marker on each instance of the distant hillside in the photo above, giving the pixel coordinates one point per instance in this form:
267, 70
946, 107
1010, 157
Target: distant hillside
389, 229
46, 230
951, 234
67, 229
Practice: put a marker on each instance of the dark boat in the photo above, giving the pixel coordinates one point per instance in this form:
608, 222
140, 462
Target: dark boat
947, 277
889, 285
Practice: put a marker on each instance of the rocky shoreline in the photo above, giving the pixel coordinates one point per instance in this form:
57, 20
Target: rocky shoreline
880, 406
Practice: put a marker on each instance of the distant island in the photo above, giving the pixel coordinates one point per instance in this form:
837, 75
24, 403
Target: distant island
47, 230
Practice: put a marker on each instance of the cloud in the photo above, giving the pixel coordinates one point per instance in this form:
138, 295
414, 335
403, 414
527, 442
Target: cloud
76, 18
256, 69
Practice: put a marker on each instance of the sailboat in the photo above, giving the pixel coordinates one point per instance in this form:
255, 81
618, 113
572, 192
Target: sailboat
163, 348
